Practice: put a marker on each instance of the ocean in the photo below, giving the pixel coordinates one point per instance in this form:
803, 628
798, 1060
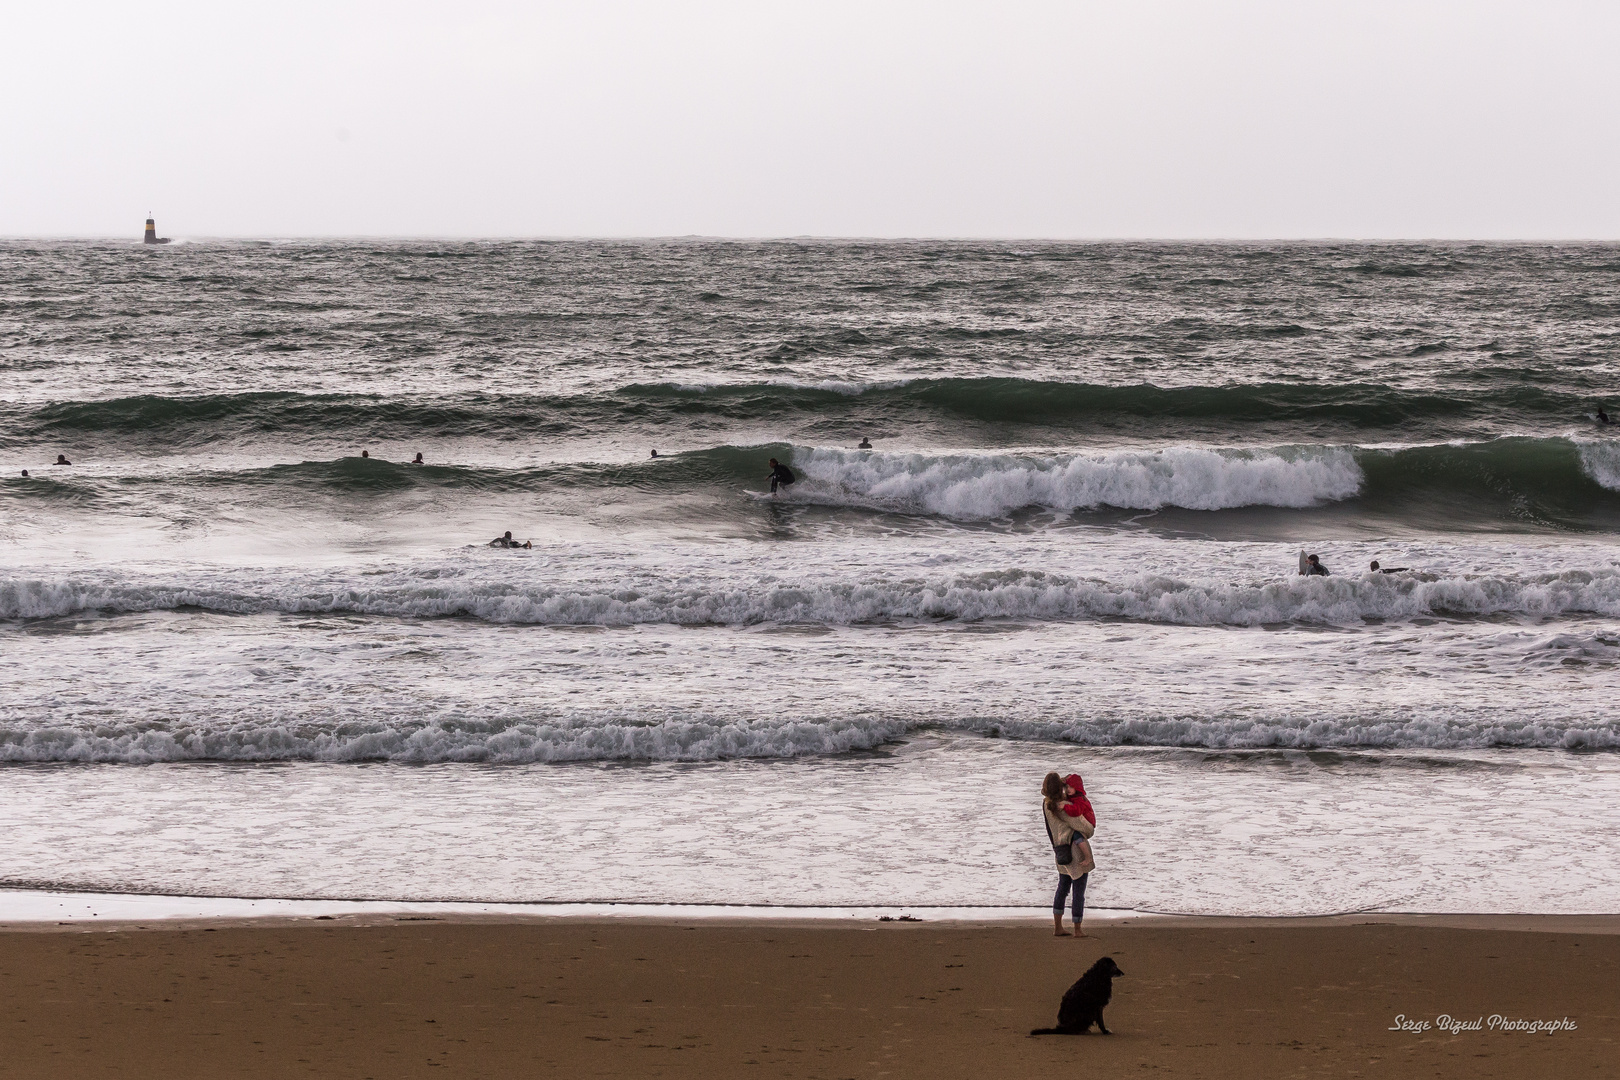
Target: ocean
251, 650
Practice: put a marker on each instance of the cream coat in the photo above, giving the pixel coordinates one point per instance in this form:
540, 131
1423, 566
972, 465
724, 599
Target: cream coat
1066, 830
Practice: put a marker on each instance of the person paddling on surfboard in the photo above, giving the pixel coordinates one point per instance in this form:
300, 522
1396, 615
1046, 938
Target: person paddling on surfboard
780, 474
507, 542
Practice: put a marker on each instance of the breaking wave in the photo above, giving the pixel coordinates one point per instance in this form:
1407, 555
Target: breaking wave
983, 486
673, 735
1601, 462
1556, 482
493, 596
1546, 483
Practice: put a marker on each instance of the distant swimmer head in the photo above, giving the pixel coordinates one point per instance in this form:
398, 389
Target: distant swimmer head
1374, 566
61, 459
25, 474
865, 444
655, 453
508, 535
1603, 417
418, 459
365, 453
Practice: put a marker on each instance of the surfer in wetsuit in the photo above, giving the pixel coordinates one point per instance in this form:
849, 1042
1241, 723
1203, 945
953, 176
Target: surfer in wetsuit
507, 542
780, 474
865, 444
1375, 568
1314, 567
1603, 417
61, 459
418, 460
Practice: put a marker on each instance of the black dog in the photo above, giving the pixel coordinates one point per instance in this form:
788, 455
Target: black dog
1082, 1006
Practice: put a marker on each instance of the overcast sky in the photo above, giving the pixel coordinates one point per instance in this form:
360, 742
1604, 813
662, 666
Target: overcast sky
1180, 118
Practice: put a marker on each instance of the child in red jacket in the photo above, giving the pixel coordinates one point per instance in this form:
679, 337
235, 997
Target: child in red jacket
1078, 807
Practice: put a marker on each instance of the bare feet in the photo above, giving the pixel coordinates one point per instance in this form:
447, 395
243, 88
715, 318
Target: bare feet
1061, 933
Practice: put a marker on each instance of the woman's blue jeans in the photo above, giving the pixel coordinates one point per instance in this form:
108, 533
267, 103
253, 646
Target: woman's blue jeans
1065, 883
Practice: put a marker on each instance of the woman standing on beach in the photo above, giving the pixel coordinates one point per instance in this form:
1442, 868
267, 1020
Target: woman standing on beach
1069, 835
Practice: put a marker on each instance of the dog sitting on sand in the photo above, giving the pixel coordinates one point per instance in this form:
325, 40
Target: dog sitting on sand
1082, 1006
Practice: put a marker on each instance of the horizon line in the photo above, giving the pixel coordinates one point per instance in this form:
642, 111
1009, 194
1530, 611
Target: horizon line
824, 237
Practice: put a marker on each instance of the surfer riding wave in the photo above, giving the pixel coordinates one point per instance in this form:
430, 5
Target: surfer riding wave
780, 474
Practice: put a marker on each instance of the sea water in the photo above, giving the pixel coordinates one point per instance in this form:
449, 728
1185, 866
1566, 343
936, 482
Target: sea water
240, 659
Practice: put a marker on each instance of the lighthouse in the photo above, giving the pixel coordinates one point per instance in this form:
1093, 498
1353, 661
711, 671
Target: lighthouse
151, 233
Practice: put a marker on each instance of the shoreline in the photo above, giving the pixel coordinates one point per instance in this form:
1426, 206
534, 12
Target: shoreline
25, 910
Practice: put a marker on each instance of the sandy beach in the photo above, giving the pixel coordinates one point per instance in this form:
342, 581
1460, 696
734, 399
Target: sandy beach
389, 997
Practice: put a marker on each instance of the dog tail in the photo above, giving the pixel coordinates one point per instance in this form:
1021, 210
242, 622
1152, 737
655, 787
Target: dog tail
1047, 1031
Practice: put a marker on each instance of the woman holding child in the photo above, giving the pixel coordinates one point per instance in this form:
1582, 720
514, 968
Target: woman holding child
1070, 822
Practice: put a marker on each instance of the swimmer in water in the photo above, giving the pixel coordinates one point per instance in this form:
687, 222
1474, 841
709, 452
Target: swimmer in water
655, 453
865, 444
61, 459
25, 474
418, 459
1314, 567
1603, 417
365, 453
1375, 568
780, 474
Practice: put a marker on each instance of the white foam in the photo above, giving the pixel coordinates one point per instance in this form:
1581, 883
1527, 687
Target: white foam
1601, 462
805, 651
651, 737
498, 595
646, 736
1235, 834
986, 486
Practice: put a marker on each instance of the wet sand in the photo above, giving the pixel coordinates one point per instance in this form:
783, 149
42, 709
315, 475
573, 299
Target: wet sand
390, 998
